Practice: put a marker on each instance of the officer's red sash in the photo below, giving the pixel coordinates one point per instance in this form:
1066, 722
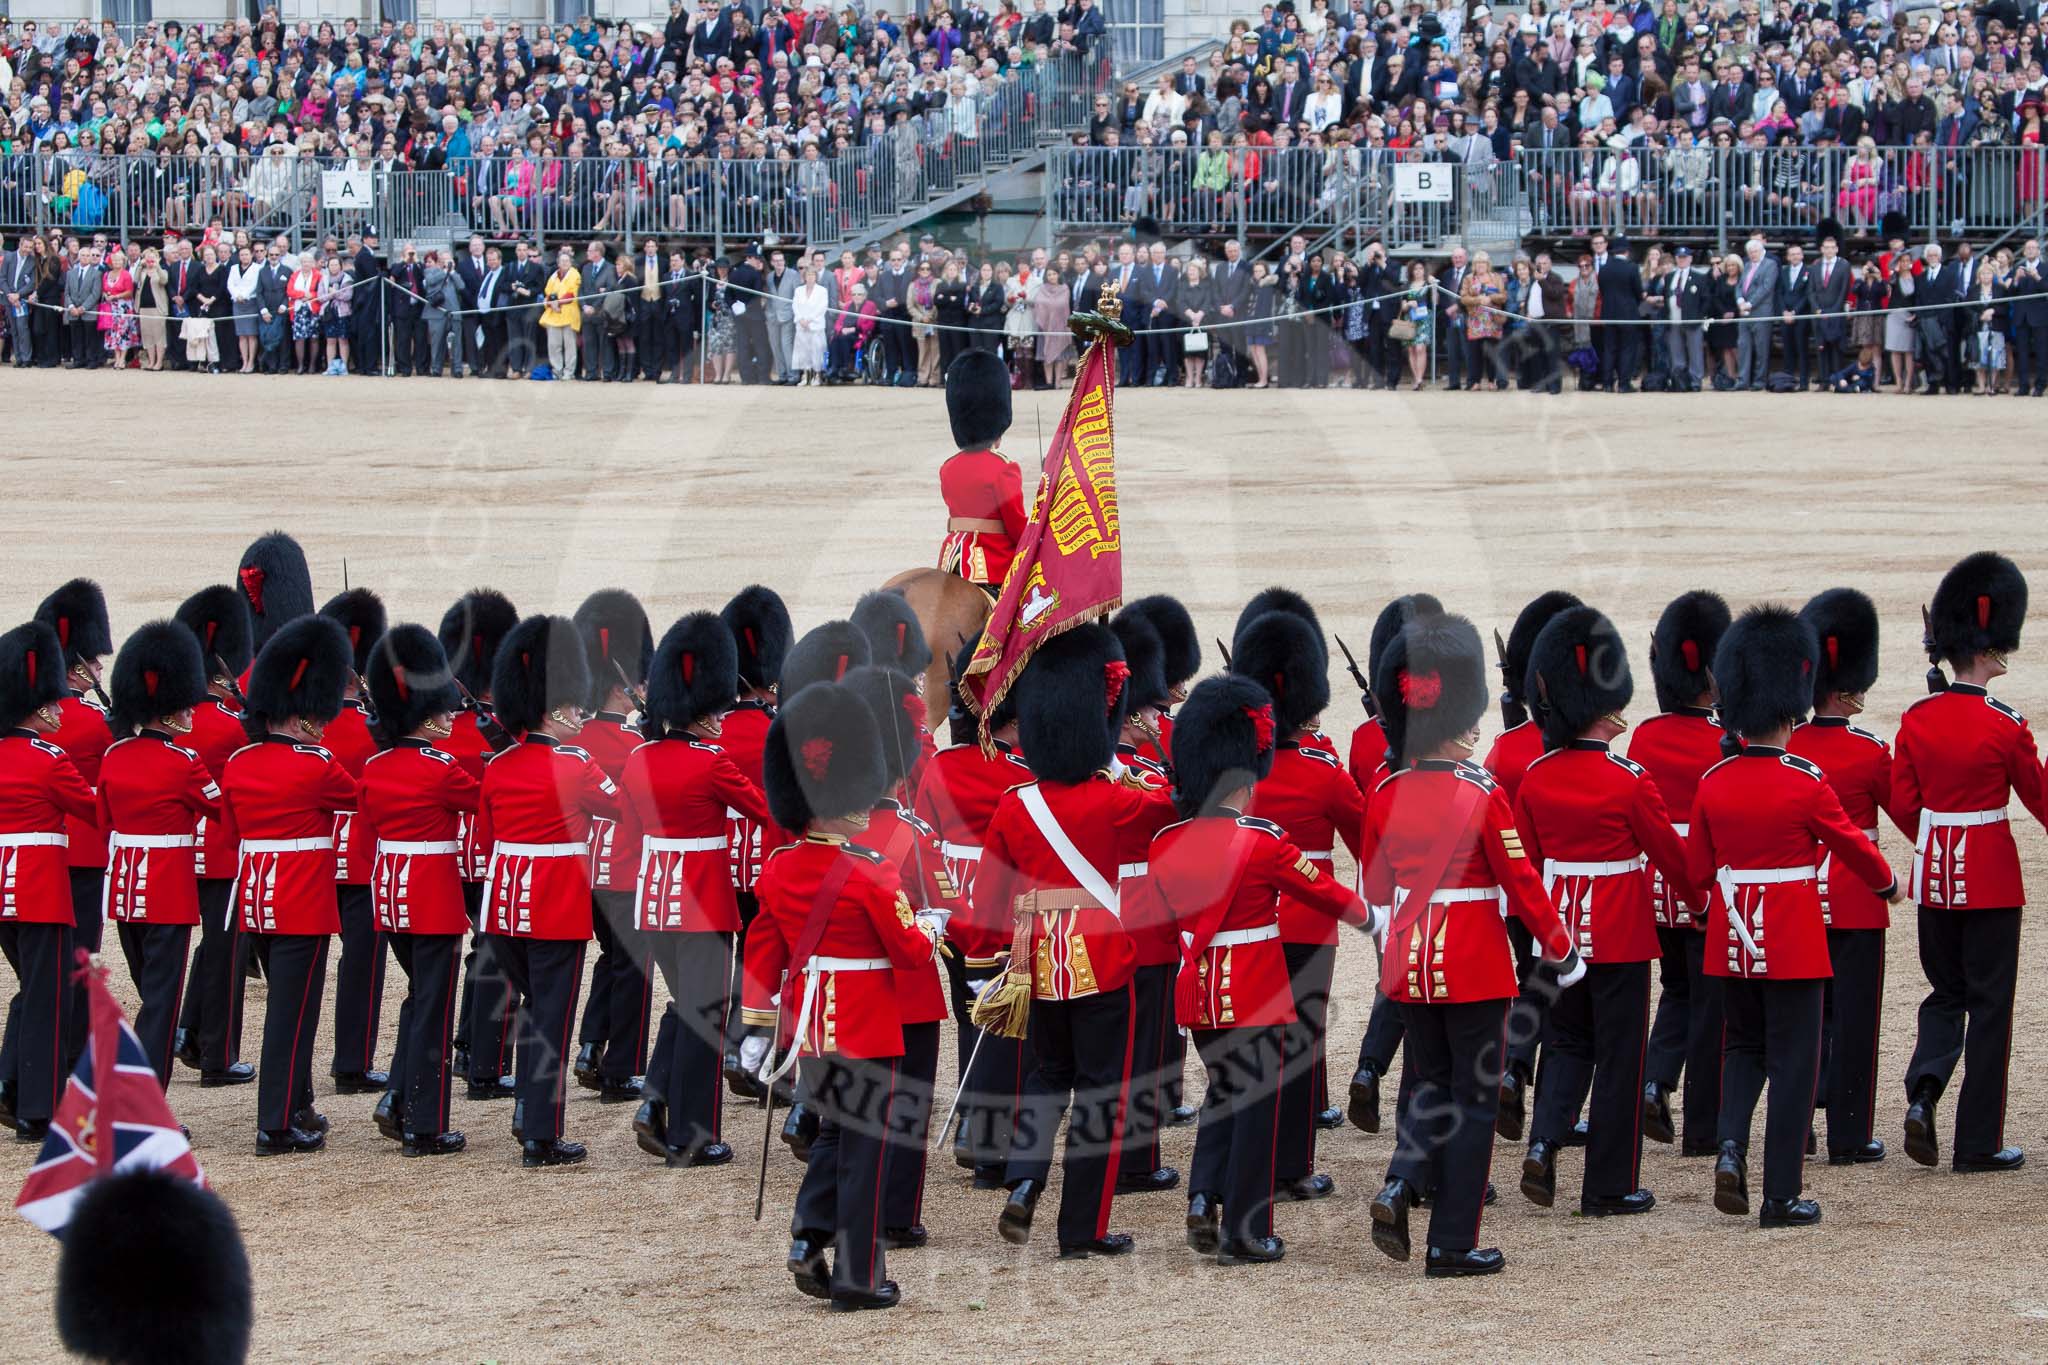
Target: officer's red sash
1466, 801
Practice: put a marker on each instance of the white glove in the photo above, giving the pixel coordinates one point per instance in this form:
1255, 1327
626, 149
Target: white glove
1571, 970
934, 922
1377, 925
753, 1051
976, 987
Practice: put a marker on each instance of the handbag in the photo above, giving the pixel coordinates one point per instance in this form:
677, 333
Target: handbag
1401, 329
1195, 343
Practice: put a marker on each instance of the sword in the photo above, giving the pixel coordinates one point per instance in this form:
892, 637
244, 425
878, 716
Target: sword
768, 1104
1512, 712
1226, 651
972, 1056
633, 694
1358, 676
1937, 681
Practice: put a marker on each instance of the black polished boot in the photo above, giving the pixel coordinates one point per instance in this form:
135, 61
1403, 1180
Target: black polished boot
1616, 1205
710, 1154
31, 1130
1364, 1108
1921, 1143
1575, 1136
1444, 1265
884, 1295
551, 1152
433, 1144
628, 1091
500, 1089
906, 1239
1181, 1115
1862, 1154
236, 1073
1514, 1110
650, 1128
1317, 1186
799, 1131
310, 1120
1333, 1117
587, 1060
1390, 1217
1539, 1174
1151, 1182
360, 1082
1731, 1180
186, 1050
1251, 1251
2004, 1159
1204, 1225
385, 1116
808, 1268
1109, 1244
1657, 1125
1013, 1224
1788, 1213
288, 1141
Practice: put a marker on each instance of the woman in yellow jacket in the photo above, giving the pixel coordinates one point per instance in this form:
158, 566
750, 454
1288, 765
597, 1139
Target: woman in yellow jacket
562, 315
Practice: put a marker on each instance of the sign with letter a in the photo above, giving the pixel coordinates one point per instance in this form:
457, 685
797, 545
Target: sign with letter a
345, 190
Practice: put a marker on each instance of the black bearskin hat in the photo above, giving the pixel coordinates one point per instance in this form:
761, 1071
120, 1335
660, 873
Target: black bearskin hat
409, 680
1682, 647
153, 1269
1514, 659
1578, 672
895, 639
78, 613
361, 614
898, 711
823, 758
540, 666
620, 641
827, 653
1176, 632
1278, 652
1074, 683
1431, 685
158, 672
1145, 656
1393, 616
695, 672
1279, 599
1844, 625
31, 671
1978, 609
761, 629
1764, 667
977, 399
470, 634
276, 584
963, 724
219, 618
300, 671
1223, 739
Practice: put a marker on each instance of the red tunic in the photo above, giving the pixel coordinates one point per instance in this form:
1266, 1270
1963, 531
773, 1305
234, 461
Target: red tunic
1961, 756
1859, 767
1675, 748
980, 485
1368, 761
608, 737
347, 737
1453, 947
677, 799
40, 793
281, 797
216, 734
83, 736
913, 847
1758, 825
1512, 752
1593, 823
743, 735
1315, 803
848, 977
413, 800
466, 745
957, 799
1153, 940
152, 794
1219, 881
538, 801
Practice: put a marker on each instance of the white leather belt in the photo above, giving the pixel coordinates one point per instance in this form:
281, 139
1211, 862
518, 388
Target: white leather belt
120, 840
848, 964
1234, 938
1124, 870
399, 849
1554, 868
501, 849
37, 839
1458, 895
1731, 877
1932, 820
709, 844
966, 853
1318, 855
1682, 831
261, 846
773, 1071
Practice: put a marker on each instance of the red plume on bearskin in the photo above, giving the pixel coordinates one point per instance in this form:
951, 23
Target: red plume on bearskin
409, 680
895, 639
219, 617
158, 672
1765, 668
826, 653
361, 613
77, 611
823, 758
31, 671
1431, 685
897, 709
1844, 625
1978, 609
695, 674
1578, 672
1222, 740
1067, 717
1682, 647
276, 583
470, 634
300, 671
1145, 657
1281, 653
620, 641
541, 667
761, 631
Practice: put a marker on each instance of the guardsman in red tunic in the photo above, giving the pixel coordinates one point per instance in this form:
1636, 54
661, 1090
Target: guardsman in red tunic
1676, 746
679, 791
1049, 874
153, 793
470, 634
1441, 848
40, 792
913, 847
1368, 766
957, 798
1519, 744
1858, 765
211, 1021
1962, 755
78, 613
1593, 823
281, 794
896, 640
1183, 659
1221, 879
1316, 804
983, 488
613, 1053
761, 630
833, 929
539, 800
414, 797
359, 976
1761, 823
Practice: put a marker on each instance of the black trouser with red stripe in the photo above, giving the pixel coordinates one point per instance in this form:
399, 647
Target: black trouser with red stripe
1240, 1121
910, 1127
32, 1050
749, 906
212, 1014
420, 1077
295, 980
1598, 1034
1774, 1036
1384, 1029
88, 887
1536, 992
358, 982
1849, 1027
840, 1200
1302, 1088
1686, 1032
156, 956
545, 975
689, 1050
1972, 960
483, 1021
990, 1088
1151, 1027
621, 993
1445, 1127
1083, 1053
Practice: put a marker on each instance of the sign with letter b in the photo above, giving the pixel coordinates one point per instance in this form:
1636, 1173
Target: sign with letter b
1422, 182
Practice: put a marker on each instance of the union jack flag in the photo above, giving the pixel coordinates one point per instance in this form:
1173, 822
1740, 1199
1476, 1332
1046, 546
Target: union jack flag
114, 1094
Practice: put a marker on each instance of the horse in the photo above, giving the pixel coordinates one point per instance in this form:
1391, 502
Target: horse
951, 611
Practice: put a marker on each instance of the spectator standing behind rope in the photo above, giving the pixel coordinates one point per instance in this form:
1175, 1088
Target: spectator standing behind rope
562, 315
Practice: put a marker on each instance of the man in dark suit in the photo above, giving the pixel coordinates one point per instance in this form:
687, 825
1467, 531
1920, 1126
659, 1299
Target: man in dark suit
891, 294
17, 292
1231, 282
1684, 299
1829, 293
600, 278
1963, 324
493, 304
470, 268
1189, 81
1450, 318
1795, 301
1934, 322
1156, 284
366, 308
1123, 273
1290, 96
1621, 302
182, 270
82, 287
408, 286
272, 309
2027, 291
